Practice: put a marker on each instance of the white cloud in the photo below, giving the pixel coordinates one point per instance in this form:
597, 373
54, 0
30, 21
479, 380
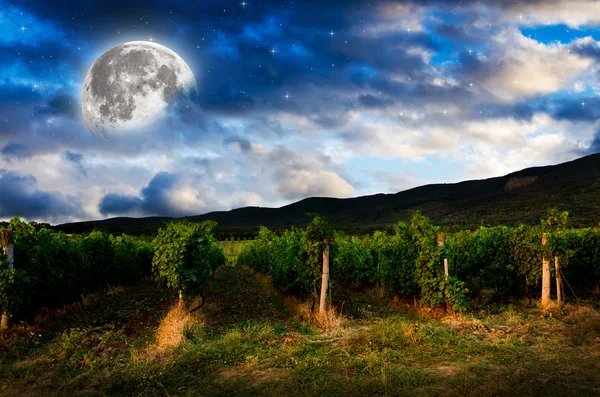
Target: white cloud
574, 13
297, 184
392, 18
519, 67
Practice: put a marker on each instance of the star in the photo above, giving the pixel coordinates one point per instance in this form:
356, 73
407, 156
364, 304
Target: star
331, 33
244, 4
273, 51
287, 96
22, 28
582, 103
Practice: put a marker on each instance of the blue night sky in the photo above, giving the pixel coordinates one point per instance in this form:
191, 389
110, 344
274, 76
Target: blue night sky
296, 99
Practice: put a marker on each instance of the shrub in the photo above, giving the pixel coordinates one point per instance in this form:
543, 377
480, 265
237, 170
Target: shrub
185, 256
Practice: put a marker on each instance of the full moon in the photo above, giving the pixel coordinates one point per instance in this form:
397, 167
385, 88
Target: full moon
131, 85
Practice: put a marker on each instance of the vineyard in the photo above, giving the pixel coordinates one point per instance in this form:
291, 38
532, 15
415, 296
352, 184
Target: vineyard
489, 264
99, 314
53, 269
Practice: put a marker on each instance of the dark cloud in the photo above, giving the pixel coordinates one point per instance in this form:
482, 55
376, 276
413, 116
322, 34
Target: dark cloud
587, 49
372, 101
15, 151
244, 143
116, 204
518, 111
595, 144
62, 105
76, 159
154, 199
20, 197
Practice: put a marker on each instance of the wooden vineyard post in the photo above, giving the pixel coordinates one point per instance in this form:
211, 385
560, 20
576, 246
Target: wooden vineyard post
8, 248
441, 241
559, 284
180, 300
545, 276
324, 278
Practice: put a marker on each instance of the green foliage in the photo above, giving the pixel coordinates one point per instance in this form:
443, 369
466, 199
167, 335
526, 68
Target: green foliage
12, 283
396, 256
53, 269
556, 221
483, 259
526, 249
186, 255
354, 260
582, 257
256, 253
294, 260
505, 261
435, 289
290, 266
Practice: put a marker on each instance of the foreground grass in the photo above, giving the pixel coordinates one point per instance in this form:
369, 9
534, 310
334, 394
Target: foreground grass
248, 340
232, 248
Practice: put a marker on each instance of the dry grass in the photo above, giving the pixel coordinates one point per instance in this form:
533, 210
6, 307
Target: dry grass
170, 332
331, 320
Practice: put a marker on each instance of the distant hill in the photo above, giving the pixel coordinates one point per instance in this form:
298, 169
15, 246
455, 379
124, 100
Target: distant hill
520, 197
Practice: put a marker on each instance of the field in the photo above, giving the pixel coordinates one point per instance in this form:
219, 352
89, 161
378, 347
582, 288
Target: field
232, 248
250, 340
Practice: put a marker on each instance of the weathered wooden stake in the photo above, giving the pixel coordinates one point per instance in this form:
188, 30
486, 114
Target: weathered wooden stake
441, 241
559, 284
324, 278
8, 248
180, 301
545, 276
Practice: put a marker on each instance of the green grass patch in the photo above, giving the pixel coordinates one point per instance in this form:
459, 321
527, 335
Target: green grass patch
248, 341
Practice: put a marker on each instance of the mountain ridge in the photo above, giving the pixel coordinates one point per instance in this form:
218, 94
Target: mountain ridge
522, 196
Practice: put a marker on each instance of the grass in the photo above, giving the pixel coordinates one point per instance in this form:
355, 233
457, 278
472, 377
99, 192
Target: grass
232, 248
250, 340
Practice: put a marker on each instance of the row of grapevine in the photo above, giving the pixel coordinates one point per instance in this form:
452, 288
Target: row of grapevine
292, 259
499, 261
186, 255
53, 269
404, 262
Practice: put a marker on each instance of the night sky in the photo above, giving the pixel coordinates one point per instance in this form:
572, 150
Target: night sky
296, 99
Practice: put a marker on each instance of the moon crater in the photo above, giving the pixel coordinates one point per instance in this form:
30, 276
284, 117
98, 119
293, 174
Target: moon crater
132, 84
